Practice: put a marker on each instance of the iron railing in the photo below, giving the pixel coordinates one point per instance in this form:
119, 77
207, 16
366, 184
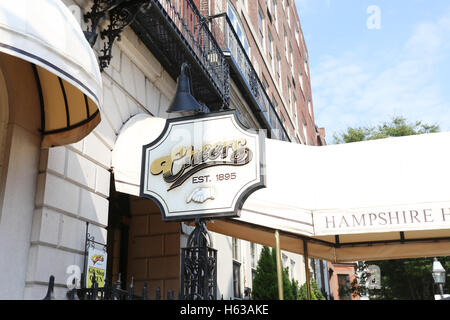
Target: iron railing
111, 291
178, 33
225, 35
192, 25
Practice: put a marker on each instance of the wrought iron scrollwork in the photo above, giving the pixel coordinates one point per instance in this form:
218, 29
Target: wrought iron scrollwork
199, 263
121, 13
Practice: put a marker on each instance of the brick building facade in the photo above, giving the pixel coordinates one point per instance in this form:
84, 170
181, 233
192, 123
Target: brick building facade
277, 49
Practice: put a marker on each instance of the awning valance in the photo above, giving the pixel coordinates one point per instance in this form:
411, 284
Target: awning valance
47, 35
383, 199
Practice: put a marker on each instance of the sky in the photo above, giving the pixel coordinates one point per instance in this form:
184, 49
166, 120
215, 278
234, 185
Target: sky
371, 60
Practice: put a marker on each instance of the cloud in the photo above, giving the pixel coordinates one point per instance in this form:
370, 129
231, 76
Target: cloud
355, 90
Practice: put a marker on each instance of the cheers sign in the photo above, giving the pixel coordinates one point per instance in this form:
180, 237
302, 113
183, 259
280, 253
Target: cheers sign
202, 167
183, 162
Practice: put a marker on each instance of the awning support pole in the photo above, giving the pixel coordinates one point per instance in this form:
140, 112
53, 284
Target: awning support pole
279, 267
308, 279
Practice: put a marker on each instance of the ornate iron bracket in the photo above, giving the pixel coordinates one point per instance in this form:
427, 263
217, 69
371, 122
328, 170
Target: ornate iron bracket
121, 13
199, 265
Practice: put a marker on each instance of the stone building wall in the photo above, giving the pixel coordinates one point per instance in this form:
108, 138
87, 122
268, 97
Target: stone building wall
73, 183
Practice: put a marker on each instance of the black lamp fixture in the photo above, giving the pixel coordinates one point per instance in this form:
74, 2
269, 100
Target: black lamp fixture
184, 101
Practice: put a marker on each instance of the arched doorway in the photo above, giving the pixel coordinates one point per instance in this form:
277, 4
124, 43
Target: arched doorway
141, 246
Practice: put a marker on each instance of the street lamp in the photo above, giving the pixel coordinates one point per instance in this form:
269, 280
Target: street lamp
438, 273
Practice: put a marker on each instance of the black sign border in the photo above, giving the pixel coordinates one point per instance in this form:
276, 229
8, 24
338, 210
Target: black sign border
244, 195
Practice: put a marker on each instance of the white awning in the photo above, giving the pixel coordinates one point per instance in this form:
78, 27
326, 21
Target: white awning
47, 35
382, 199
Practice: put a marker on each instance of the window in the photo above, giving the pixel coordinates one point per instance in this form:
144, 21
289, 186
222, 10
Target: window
291, 269
297, 36
237, 25
278, 67
300, 78
291, 56
253, 255
305, 135
274, 102
261, 26
284, 260
344, 286
310, 108
286, 45
288, 84
236, 252
282, 118
305, 57
270, 46
245, 5
275, 15
295, 114
288, 13
264, 83
254, 259
236, 279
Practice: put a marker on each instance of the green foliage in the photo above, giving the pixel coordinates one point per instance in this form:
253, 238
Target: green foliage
406, 279
265, 283
316, 294
397, 127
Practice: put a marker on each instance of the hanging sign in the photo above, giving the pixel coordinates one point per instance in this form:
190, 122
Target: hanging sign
96, 266
203, 167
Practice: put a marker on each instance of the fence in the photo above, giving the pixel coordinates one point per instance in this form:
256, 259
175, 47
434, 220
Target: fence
114, 292
111, 291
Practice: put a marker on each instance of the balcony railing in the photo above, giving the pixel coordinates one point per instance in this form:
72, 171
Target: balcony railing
176, 32
244, 73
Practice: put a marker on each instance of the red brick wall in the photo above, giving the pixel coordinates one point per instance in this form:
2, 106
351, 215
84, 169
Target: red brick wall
300, 55
299, 51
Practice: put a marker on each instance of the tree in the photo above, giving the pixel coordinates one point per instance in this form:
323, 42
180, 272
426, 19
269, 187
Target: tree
265, 283
397, 127
316, 294
407, 278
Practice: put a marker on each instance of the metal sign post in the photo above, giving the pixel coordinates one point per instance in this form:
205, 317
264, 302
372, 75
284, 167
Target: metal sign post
199, 265
94, 260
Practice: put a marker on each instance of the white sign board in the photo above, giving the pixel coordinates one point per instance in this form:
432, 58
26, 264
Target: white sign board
424, 216
203, 167
96, 266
